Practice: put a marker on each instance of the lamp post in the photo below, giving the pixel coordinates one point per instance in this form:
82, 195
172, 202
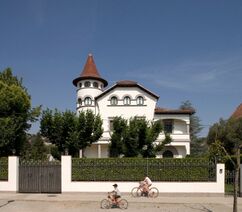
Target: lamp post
145, 147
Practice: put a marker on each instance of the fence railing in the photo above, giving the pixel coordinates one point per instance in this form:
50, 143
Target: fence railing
4, 168
126, 169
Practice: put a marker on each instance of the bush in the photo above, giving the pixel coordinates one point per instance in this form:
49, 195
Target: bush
135, 169
4, 168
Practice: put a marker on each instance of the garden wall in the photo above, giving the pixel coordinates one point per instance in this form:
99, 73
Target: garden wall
164, 187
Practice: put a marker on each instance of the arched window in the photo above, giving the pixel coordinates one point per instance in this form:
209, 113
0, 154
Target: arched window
140, 100
114, 100
88, 101
167, 154
80, 85
79, 101
87, 84
127, 100
95, 85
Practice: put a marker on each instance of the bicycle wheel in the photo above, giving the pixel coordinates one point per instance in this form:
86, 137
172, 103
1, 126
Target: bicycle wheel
154, 192
105, 204
136, 192
123, 204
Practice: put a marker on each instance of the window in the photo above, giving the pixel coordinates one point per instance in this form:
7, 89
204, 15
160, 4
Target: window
87, 84
127, 100
95, 85
88, 101
111, 125
140, 100
168, 125
167, 154
80, 85
79, 101
114, 100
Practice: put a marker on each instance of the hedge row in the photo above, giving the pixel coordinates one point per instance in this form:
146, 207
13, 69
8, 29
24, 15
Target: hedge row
134, 169
4, 168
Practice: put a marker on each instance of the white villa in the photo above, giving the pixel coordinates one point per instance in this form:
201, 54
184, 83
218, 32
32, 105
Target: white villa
128, 99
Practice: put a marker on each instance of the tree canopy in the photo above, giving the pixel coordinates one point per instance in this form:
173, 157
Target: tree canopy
16, 113
198, 145
135, 137
70, 132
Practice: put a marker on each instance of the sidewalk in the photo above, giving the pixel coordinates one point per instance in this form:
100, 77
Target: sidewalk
97, 197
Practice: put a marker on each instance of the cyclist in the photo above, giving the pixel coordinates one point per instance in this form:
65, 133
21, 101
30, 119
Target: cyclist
146, 185
115, 194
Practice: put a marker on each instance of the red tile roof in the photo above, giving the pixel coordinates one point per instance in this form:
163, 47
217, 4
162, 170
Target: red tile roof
238, 112
90, 72
172, 111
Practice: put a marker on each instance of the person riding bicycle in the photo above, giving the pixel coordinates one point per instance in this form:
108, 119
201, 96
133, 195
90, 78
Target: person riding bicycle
146, 184
115, 194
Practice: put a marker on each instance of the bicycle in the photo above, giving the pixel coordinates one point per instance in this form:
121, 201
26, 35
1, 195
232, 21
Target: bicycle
138, 192
108, 203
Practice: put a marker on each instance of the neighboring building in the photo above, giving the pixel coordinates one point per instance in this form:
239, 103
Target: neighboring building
238, 112
128, 99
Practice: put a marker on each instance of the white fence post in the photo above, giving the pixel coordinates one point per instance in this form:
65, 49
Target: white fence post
66, 169
221, 176
13, 173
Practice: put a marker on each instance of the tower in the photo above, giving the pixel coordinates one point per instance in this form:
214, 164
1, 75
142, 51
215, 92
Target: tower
89, 85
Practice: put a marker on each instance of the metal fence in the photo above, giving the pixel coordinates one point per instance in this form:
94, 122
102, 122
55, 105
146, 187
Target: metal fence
134, 170
229, 181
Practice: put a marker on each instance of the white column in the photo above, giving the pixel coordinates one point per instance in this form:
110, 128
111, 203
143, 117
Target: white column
13, 174
80, 153
188, 129
66, 169
220, 177
99, 150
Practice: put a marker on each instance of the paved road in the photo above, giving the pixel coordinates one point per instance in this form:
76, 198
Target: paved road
12, 202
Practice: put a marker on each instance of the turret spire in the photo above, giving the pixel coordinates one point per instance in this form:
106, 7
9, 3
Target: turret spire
90, 71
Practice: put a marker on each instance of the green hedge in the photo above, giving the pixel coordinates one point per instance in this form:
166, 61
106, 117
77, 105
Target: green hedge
4, 168
135, 169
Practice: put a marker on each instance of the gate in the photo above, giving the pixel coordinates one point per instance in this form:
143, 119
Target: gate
39, 177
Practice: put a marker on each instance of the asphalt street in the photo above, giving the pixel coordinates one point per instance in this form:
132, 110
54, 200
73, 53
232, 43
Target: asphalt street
90, 202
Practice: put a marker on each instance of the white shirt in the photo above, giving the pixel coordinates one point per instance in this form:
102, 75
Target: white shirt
148, 181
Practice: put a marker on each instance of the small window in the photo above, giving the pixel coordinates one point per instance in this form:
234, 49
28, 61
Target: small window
88, 101
127, 100
140, 100
111, 125
114, 100
168, 126
95, 85
79, 101
80, 85
87, 84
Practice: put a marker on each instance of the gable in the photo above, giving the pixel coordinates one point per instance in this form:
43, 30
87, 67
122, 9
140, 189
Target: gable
128, 86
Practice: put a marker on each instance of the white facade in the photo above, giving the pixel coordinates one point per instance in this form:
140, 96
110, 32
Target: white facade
128, 99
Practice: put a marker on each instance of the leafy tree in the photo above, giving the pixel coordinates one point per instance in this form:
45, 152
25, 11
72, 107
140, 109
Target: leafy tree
229, 133
16, 113
68, 131
218, 131
35, 148
234, 135
135, 137
116, 147
197, 144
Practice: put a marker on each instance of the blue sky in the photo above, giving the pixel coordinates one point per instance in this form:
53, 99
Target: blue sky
180, 50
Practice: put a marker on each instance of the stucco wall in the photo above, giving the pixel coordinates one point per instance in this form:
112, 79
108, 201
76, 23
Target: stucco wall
164, 187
